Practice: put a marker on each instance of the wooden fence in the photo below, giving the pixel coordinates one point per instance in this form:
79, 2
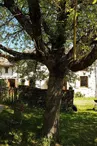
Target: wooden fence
34, 96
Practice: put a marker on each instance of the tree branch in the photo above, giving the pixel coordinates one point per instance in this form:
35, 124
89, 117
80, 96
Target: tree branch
10, 58
22, 19
61, 24
81, 39
35, 16
85, 61
17, 56
8, 50
31, 25
46, 27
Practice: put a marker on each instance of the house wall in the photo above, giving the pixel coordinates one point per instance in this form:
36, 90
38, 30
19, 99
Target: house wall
86, 91
90, 90
11, 74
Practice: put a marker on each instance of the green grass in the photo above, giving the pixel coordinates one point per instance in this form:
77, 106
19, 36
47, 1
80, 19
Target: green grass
23, 133
80, 128
84, 104
76, 129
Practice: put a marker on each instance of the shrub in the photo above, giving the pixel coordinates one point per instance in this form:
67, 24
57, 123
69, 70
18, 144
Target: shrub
2, 83
3, 90
79, 94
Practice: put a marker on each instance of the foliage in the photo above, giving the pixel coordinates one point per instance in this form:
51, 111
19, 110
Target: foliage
32, 70
79, 94
3, 90
17, 37
2, 83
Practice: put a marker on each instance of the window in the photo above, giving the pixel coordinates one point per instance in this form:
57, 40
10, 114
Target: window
11, 82
84, 81
6, 69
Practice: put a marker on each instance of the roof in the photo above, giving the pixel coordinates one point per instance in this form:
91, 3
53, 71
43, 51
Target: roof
5, 63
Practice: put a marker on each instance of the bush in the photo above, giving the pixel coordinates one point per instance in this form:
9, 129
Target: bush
3, 90
2, 83
79, 94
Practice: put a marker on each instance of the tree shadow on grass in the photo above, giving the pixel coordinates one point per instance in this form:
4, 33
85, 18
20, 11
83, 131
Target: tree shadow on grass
79, 129
90, 109
20, 133
76, 129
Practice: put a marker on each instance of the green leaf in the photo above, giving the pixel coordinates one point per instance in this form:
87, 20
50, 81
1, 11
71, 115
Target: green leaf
94, 2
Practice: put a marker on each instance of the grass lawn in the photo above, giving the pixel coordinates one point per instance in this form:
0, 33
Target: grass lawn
84, 104
76, 129
80, 128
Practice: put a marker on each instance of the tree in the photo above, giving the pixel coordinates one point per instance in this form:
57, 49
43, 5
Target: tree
32, 70
49, 25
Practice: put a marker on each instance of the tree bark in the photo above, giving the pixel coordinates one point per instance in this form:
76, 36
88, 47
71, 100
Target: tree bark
51, 115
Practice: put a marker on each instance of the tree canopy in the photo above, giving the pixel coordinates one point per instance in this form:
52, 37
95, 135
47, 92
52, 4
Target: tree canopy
47, 26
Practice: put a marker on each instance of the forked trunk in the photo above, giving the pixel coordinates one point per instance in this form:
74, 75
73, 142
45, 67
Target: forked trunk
51, 116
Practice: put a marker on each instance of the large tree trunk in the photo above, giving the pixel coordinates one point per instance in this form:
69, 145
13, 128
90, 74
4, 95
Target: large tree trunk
53, 102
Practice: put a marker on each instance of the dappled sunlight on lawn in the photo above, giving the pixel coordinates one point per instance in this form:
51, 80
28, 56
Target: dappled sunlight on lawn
80, 128
84, 104
14, 133
76, 128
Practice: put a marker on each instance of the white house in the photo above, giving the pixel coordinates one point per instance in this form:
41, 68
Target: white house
8, 72
86, 82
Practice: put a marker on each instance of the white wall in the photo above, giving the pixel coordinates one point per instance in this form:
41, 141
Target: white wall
86, 91
90, 91
11, 72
